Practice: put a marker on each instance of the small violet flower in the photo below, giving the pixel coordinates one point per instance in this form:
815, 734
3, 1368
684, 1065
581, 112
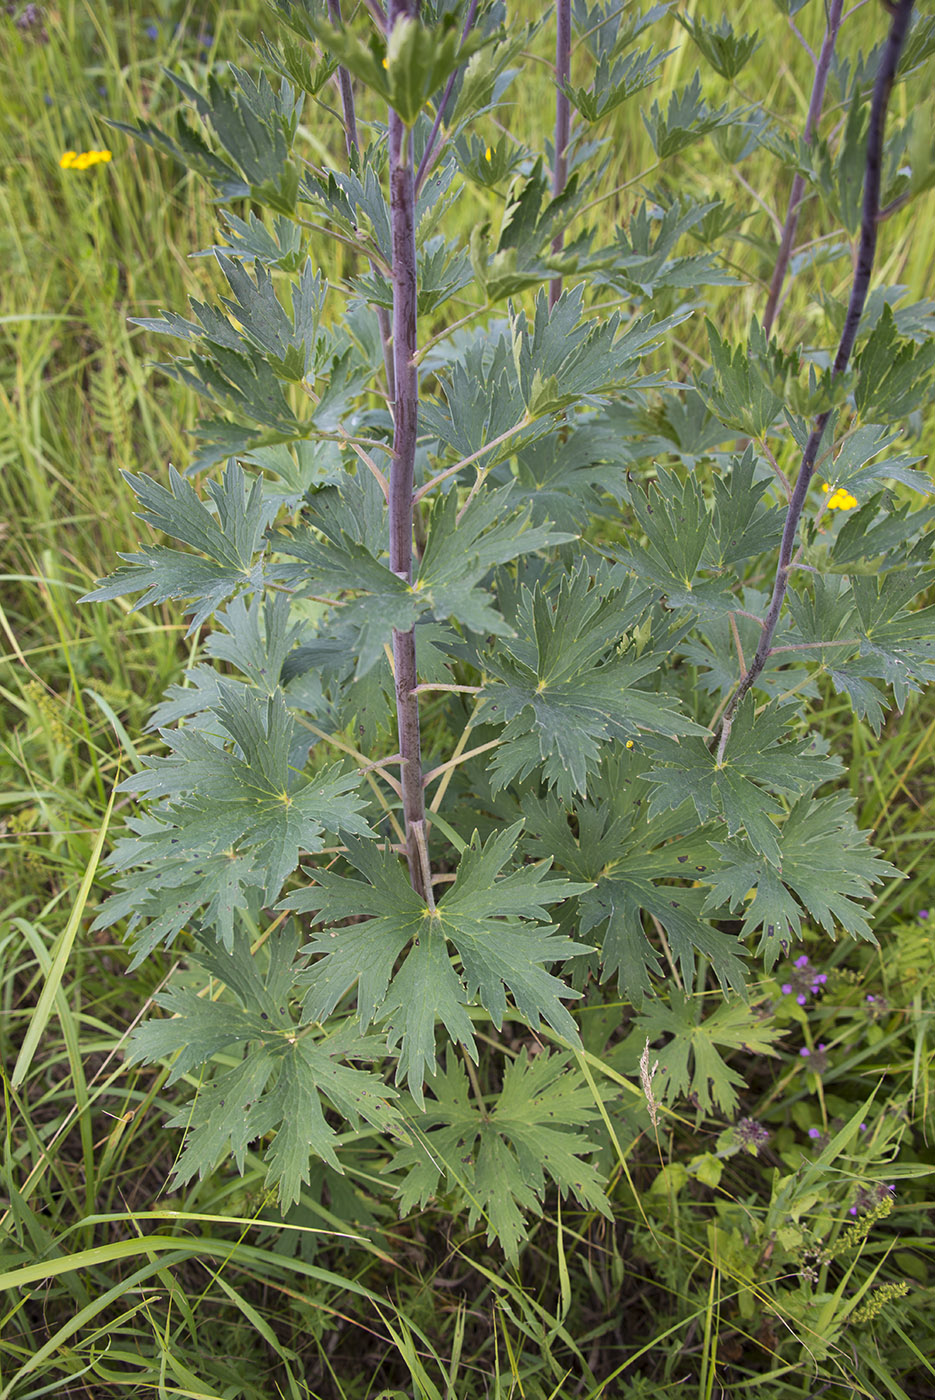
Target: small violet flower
804, 981
751, 1134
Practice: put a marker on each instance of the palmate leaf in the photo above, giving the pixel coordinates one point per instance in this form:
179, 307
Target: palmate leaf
692, 1063
855, 468
231, 543
165, 890
463, 547
531, 220
726, 51
405, 70
562, 688
481, 401
640, 868
234, 820
894, 376
615, 80
747, 385
502, 1159
644, 254
677, 523
497, 926
565, 476
760, 760
561, 360
278, 1083
686, 119
900, 641
826, 866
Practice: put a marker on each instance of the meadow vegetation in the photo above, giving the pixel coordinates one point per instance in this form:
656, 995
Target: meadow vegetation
769, 1232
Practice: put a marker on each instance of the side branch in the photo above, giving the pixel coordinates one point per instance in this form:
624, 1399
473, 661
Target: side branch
562, 120
426, 163
882, 88
822, 68
352, 143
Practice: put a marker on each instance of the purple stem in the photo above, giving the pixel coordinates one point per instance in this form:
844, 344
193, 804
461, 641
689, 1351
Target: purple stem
344, 83
426, 161
866, 249
798, 184
562, 121
352, 143
402, 471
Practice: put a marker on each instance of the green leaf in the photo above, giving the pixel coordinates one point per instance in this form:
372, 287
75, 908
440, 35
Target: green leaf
410, 67
902, 643
760, 760
496, 924
255, 127
692, 1064
531, 221
677, 522
747, 387
502, 1158
743, 526
561, 362
893, 376
229, 544
482, 402
825, 867
641, 868
643, 255
279, 1074
566, 475
728, 53
855, 469
686, 120
615, 80
563, 689
248, 806
464, 546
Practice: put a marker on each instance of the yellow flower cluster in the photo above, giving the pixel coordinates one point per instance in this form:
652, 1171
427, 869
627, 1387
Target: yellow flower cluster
839, 499
81, 160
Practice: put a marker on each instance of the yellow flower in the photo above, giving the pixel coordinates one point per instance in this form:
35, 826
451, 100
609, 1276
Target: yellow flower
81, 160
488, 155
629, 744
386, 63
841, 499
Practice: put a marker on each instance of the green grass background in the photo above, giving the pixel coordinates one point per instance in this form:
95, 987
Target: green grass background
108, 1286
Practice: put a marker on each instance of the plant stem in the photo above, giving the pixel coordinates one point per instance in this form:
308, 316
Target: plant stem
822, 67
882, 87
562, 121
344, 85
402, 471
353, 144
426, 163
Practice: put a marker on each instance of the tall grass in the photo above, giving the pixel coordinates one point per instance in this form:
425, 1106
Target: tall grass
107, 1285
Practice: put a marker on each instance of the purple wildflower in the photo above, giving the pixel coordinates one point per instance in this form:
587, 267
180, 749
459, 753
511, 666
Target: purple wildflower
751, 1134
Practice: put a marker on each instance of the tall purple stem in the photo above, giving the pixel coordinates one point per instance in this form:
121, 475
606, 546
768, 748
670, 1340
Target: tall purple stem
402, 471
822, 68
899, 28
562, 121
